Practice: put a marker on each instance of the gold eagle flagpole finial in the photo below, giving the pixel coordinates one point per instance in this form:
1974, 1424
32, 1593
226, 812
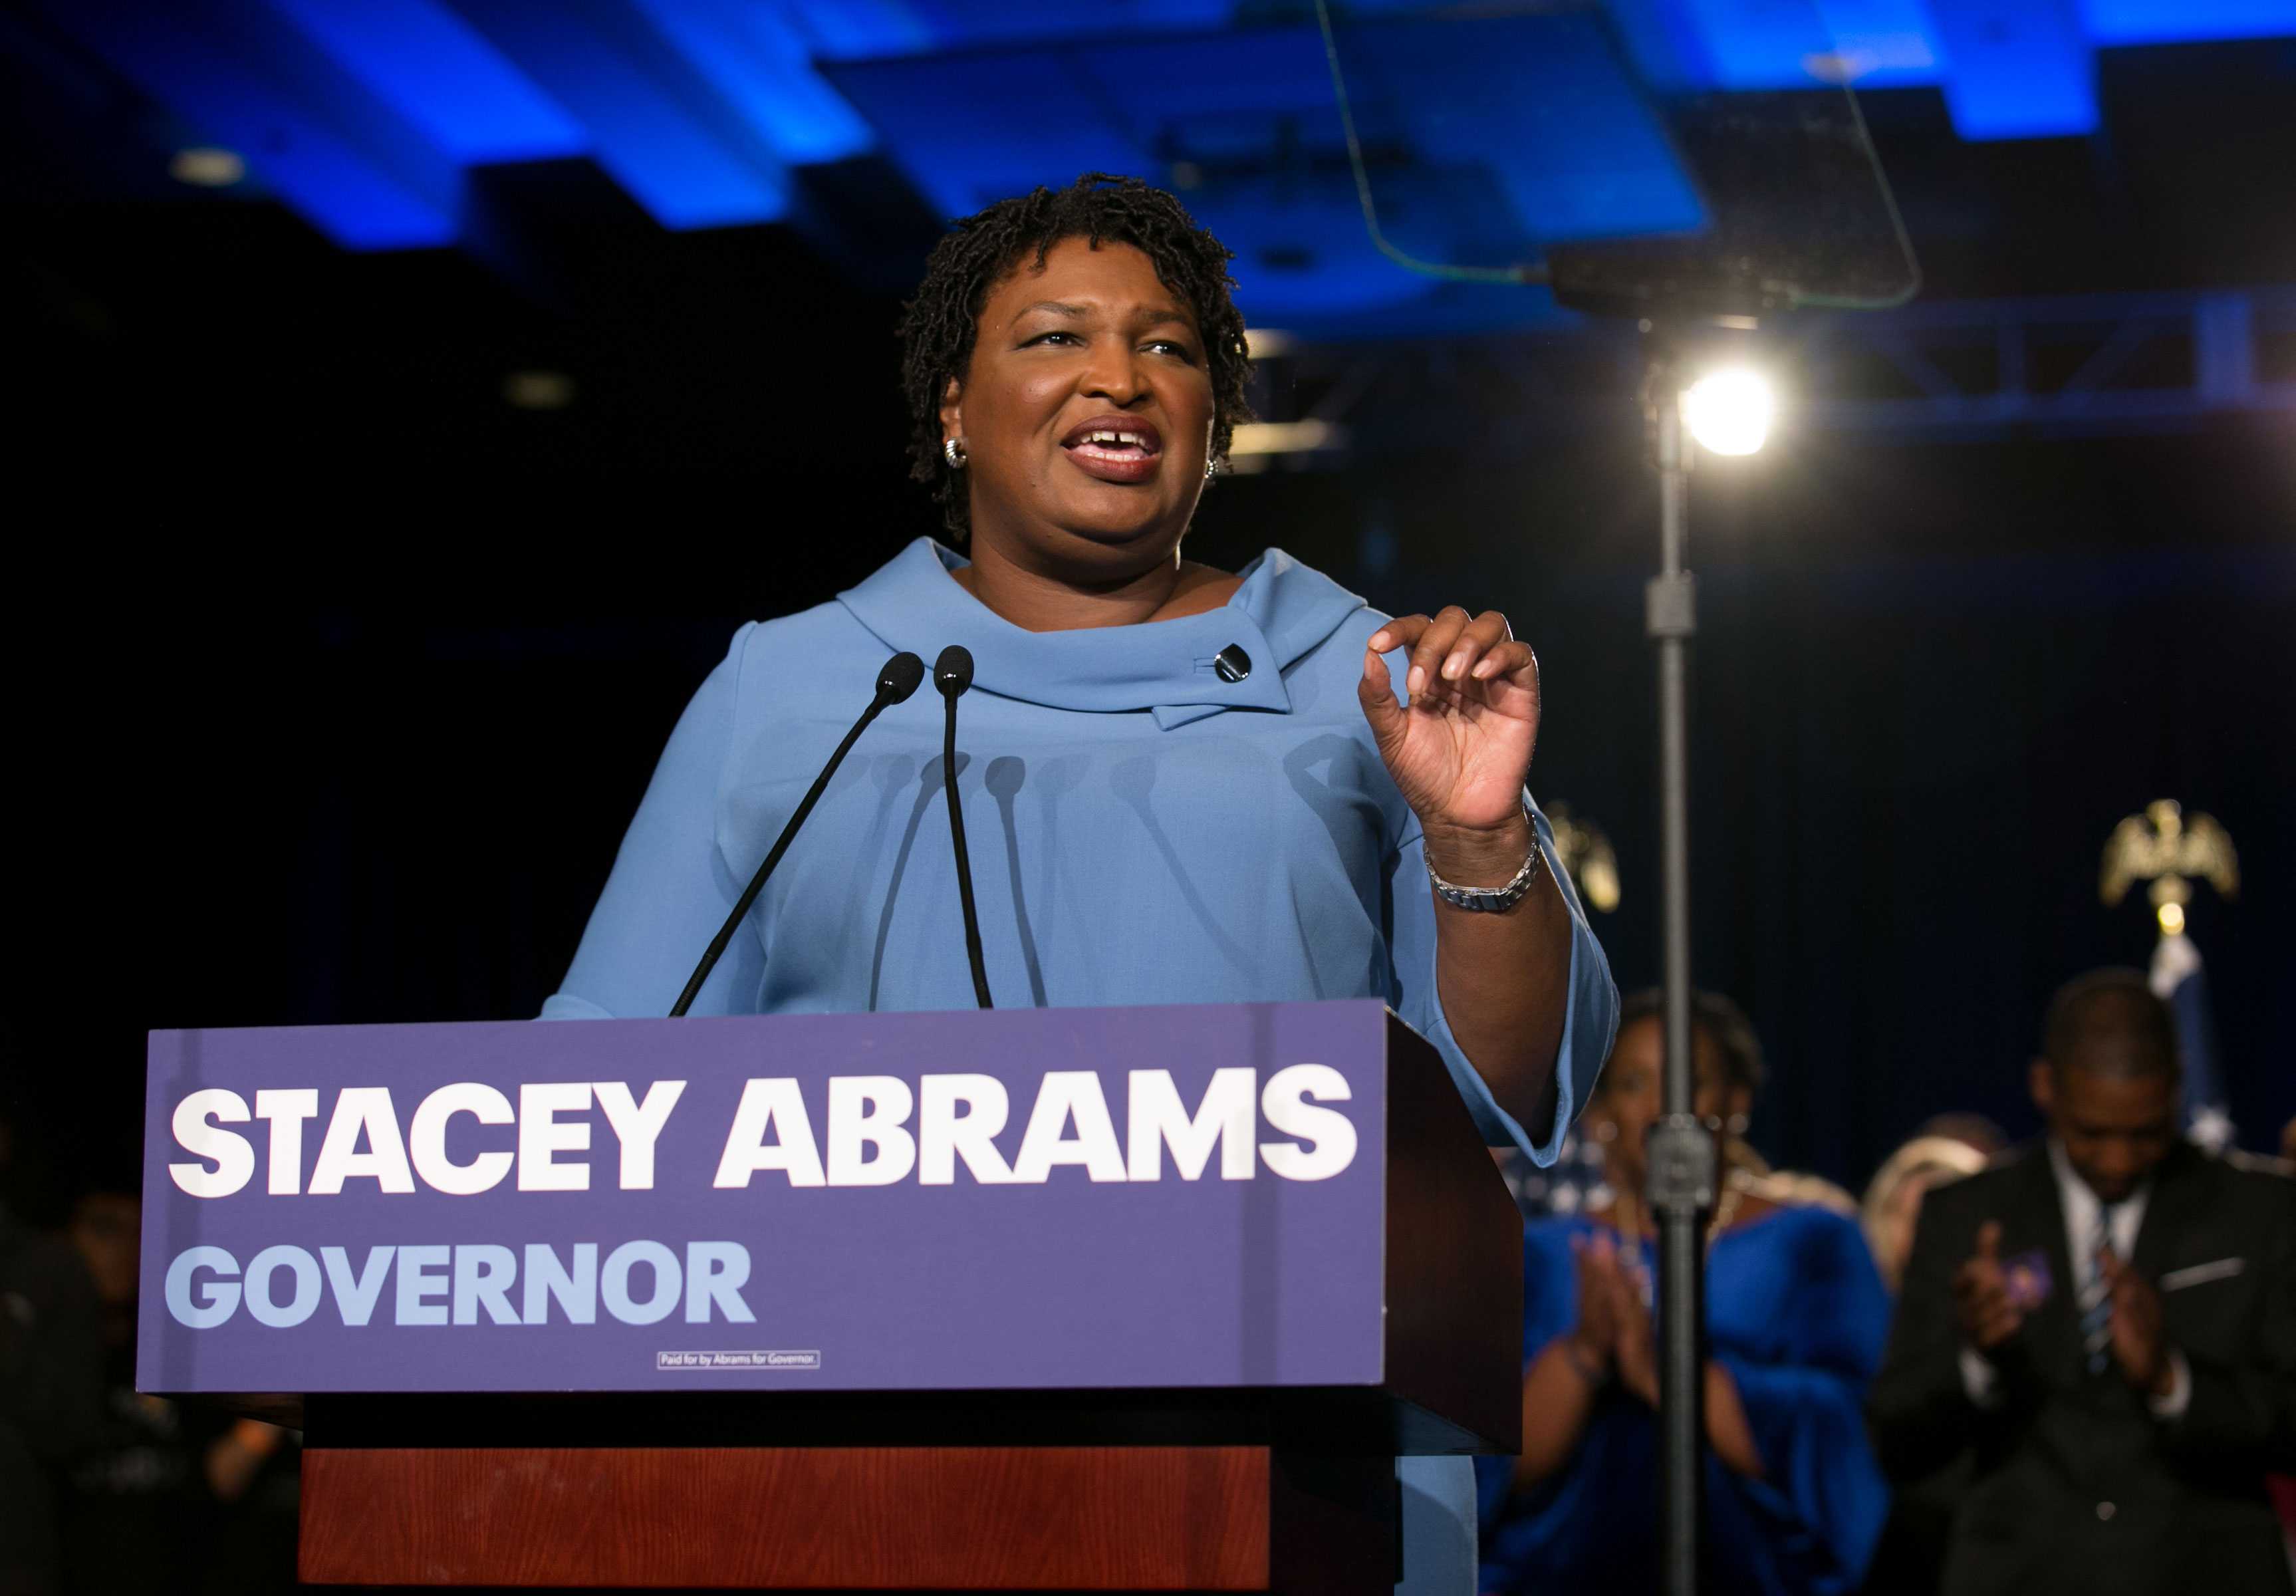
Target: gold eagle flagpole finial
1585, 856
2171, 851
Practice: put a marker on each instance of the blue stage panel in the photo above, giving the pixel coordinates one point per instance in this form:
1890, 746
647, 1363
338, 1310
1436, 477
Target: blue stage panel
1487, 137
656, 144
1301, 252
2171, 22
442, 76
1687, 46
1547, 104
861, 29
759, 65
971, 129
1885, 44
981, 23
211, 83
1490, 133
2016, 69
1758, 43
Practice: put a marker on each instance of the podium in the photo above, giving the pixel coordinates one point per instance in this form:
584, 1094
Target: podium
1143, 1299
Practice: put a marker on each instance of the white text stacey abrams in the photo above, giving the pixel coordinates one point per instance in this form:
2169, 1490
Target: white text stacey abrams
873, 1130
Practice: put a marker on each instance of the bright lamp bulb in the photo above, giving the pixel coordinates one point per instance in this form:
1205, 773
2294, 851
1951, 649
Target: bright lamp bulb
1728, 412
206, 166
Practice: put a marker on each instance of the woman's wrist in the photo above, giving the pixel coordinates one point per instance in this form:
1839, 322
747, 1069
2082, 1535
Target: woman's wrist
1641, 1381
1479, 856
1592, 1363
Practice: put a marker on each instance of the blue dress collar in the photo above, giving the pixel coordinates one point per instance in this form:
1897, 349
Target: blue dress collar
1283, 610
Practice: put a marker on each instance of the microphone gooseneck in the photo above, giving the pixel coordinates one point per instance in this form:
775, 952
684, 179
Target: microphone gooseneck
953, 674
902, 676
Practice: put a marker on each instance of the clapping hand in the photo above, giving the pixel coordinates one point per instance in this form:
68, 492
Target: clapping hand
1989, 1313
2140, 1343
1614, 1331
1595, 1338
1637, 1353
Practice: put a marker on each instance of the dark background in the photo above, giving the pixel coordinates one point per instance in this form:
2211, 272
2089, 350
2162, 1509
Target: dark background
335, 678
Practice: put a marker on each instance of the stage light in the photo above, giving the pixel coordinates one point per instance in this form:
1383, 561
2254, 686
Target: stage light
538, 390
206, 166
1285, 437
1729, 411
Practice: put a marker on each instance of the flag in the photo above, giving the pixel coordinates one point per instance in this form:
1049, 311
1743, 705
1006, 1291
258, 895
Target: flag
2178, 980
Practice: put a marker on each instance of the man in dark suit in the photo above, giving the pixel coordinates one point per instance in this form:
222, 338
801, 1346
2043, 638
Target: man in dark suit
2105, 1325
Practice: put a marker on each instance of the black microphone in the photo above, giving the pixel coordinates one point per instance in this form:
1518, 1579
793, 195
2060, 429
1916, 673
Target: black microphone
953, 674
899, 679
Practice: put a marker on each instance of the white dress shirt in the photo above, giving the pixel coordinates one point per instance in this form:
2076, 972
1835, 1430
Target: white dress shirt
2080, 1205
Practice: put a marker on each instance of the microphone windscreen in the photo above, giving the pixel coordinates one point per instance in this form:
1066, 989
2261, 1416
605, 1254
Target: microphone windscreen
953, 672
902, 675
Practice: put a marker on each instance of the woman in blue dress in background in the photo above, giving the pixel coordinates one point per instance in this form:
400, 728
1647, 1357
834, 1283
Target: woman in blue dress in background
1796, 1316
1186, 785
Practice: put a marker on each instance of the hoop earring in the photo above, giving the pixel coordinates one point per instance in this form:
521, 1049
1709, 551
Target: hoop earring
953, 451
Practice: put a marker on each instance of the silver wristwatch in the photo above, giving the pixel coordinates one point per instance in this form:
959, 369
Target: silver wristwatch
1492, 900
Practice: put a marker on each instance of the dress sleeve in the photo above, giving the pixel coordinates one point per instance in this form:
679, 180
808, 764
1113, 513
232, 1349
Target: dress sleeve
1804, 1406
1588, 1027
669, 890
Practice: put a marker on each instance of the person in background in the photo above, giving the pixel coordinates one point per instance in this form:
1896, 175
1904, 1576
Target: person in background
1971, 1130
1795, 1314
130, 1514
51, 1392
1893, 1197
2104, 1325
164, 1490
253, 1471
1910, 1559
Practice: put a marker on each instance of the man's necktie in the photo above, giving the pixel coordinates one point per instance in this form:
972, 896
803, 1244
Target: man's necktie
2095, 1299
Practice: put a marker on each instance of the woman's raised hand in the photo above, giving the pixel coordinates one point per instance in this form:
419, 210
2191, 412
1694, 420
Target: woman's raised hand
1460, 750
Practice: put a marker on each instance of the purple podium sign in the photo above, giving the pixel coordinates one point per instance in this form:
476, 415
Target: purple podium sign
1029, 1198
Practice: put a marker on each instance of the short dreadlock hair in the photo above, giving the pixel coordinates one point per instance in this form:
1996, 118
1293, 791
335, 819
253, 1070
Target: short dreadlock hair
939, 326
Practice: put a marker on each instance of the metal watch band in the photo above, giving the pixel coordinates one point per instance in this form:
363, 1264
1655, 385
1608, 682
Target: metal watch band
1491, 899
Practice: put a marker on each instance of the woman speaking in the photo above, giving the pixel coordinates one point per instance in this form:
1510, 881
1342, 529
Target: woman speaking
1184, 785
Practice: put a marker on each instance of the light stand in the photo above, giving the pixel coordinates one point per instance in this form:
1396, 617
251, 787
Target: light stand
1682, 1158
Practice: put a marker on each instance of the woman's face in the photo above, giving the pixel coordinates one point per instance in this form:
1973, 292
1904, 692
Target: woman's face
1086, 412
1629, 1096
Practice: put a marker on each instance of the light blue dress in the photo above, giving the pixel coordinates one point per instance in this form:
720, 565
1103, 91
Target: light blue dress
1141, 831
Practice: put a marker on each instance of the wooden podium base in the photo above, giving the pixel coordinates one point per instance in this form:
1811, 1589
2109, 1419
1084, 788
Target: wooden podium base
1038, 1518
